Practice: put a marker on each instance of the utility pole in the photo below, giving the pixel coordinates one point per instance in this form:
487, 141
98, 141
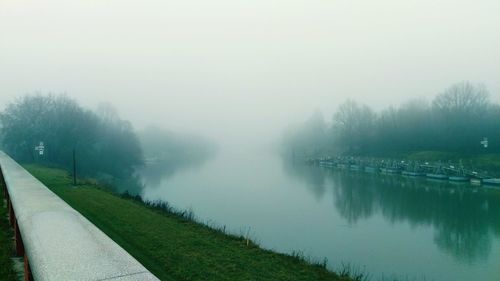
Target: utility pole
74, 167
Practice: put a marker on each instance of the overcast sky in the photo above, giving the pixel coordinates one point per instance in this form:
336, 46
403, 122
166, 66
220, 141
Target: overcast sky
239, 69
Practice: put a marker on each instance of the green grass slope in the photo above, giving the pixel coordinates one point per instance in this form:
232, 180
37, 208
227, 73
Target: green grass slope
174, 248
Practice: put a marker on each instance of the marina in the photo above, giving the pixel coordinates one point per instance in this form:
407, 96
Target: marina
413, 169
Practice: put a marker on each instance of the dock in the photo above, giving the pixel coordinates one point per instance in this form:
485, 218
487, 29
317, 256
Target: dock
453, 172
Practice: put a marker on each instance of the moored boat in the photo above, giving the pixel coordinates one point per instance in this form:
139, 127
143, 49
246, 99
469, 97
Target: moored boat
492, 181
437, 176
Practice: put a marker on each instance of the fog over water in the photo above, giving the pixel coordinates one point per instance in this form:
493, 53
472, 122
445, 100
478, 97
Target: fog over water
242, 70
384, 225
230, 76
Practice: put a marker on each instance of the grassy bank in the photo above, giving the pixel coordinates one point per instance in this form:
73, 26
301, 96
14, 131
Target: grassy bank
6, 246
172, 246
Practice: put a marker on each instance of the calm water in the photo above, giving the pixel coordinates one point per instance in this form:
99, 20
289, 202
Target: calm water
385, 225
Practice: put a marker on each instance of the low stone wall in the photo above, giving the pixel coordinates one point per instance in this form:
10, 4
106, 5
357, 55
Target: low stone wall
56, 241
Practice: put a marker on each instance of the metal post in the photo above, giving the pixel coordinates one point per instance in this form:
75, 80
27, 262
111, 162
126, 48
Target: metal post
74, 167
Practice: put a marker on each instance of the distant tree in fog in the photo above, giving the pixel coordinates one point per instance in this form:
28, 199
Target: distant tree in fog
103, 145
462, 99
460, 114
353, 124
309, 138
407, 126
456, 121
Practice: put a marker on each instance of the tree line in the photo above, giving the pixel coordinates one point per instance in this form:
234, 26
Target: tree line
104, 144
107, 148
456, 120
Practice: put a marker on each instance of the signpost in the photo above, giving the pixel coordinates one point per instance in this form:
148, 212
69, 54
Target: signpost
484, 142
40, 148
74, 167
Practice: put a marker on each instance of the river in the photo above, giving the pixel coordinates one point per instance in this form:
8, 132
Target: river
383, 225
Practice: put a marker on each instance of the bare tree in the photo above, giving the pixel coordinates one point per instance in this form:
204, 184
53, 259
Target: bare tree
462, 98
354, 124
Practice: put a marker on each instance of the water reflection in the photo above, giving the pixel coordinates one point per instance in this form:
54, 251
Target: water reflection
153, 174
314, 178
465, 219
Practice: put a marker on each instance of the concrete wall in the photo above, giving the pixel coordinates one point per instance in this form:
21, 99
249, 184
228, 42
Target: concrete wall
57, 242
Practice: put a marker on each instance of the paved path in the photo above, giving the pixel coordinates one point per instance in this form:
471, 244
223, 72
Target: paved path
59, 243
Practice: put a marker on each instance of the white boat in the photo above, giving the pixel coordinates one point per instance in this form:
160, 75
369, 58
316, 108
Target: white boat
494, 181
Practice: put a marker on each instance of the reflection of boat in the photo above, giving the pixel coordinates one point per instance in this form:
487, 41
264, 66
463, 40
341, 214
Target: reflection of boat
389, 170
326, 163
475, 181
458, 178
495, 181
412, 174
437, 176
370, 169
342, 166
355, 167
457, 183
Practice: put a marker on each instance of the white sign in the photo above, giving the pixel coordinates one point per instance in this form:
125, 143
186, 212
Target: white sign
484, 142
40, 148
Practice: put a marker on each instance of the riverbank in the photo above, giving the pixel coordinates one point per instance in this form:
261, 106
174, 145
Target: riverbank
480, 165
173, 246
6, 246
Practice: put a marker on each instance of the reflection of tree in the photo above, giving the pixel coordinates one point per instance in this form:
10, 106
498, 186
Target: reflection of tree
353, 203
466, 244
493, 206
313, 176
153, 174
465, 220
166, 153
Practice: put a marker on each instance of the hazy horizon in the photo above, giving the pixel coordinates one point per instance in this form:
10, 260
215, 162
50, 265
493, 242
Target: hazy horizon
244, 70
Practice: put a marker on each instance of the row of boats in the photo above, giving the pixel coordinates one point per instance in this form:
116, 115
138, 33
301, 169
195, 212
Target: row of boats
436, 171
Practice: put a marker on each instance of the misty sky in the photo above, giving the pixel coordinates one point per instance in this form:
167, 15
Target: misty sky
244, 69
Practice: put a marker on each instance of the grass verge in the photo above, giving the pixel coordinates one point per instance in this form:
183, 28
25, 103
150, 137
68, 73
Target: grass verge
173, 246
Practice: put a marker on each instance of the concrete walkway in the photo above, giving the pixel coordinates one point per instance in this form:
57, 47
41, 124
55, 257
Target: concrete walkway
57, 241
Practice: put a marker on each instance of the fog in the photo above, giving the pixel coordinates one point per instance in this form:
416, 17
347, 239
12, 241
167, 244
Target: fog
242, 70
339, 132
